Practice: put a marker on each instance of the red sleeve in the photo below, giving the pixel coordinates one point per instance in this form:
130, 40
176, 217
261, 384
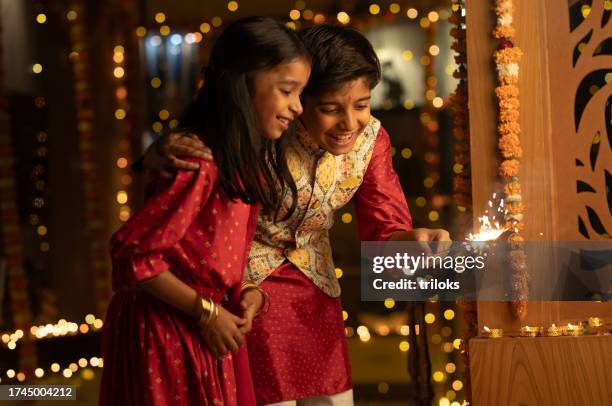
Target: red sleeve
380, 204
137, 248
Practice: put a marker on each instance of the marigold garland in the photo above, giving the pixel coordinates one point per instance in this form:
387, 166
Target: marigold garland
507, 58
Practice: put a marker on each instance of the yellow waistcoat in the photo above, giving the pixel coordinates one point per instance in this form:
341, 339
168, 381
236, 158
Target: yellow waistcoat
325, 182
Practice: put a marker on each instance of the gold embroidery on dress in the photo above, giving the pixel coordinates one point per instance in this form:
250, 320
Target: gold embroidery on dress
325, 183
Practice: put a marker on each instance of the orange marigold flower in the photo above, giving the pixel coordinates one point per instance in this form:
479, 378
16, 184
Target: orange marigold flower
507, 91
503, 7
511, 127
508, 115
504, 31
508, 55
510, 146
512, 188
509, 168
509, 104
515, 208
508, 80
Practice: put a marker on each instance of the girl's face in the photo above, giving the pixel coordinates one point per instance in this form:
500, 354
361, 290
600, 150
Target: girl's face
277, 96
335, 118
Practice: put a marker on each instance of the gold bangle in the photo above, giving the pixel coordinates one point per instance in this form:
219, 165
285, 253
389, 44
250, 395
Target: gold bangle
207, 310
246, 285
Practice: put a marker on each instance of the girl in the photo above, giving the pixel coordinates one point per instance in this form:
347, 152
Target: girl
176, 258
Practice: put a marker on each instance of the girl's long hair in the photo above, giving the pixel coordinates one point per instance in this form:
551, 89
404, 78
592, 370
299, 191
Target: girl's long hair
251, 168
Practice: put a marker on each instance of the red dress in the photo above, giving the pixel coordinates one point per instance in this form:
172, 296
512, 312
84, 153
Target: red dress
153, 353
299, 349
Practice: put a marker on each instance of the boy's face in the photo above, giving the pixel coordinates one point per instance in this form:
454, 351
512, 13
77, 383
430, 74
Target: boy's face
335, 118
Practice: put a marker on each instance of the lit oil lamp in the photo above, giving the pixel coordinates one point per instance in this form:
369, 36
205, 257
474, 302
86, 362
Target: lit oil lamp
493, 332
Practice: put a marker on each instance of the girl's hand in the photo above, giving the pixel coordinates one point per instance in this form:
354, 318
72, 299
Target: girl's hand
251, 303
165, 154
224, 335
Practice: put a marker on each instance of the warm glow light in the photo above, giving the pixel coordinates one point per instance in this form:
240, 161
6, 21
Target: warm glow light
433, 16
344, 315
424, 22
39, 372
457, 385
430, 318
37, 68
72, 15
320, 18
374, 9
343, 17
55, 367
394, 8
156, 82
307, 14
122, 197
67, 373
160, 17
389, 303
434, 50
408, 104
437, 102
157, 127
407, 55
232, 6
295, 14
121, 93
438, 376
404, 346
41, 18
124, 213
119, 114
164, 114
141, 31
339, 273
216, 21
205, 28
412, 13
42, 230
119, 72
425, 60
122, 163
449, 314
118, 57
164, 30
406, 153
347, 218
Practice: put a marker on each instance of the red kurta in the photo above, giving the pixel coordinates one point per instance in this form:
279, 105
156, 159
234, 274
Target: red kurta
153, 353
299, 348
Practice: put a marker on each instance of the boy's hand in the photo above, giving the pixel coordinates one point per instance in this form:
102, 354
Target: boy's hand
166, 153
251, 303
